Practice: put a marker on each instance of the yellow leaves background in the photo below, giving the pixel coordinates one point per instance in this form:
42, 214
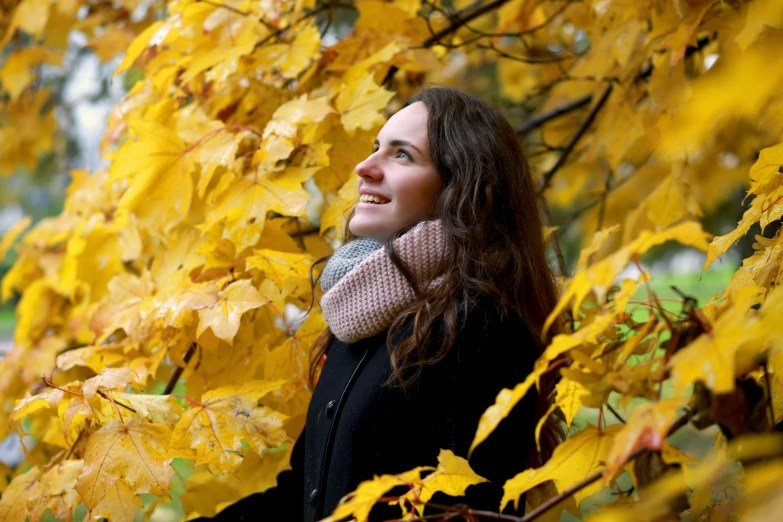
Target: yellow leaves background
181, 268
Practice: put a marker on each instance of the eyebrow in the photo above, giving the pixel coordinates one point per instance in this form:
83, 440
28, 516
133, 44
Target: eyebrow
402, 143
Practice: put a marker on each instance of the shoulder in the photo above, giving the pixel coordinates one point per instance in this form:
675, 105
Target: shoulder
489, 340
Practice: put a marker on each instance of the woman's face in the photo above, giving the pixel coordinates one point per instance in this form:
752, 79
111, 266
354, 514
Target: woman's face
401, 173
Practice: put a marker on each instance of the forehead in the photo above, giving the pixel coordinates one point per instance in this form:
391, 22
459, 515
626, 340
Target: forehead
409, 123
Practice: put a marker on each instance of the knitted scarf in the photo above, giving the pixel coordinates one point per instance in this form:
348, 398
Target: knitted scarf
365, 291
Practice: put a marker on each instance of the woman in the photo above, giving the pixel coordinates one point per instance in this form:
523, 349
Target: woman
434, 304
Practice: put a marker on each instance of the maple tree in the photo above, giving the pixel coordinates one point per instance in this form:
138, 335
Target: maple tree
163, 282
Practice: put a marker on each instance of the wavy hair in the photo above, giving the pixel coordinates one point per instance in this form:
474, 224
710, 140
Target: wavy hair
490, 216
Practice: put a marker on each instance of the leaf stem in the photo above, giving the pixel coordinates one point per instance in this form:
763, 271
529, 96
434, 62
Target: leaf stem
191, 401
52, 385
115, 406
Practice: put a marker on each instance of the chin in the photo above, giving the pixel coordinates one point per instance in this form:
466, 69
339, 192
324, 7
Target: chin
371, 232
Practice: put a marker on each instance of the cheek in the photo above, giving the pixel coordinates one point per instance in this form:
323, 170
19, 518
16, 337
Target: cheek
418, 190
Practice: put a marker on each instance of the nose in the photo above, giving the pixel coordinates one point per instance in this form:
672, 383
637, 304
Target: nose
369, 168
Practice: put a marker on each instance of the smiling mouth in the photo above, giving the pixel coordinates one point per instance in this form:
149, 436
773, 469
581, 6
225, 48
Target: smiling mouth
370, 200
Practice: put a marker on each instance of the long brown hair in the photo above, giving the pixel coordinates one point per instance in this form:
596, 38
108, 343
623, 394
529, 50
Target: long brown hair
490, 217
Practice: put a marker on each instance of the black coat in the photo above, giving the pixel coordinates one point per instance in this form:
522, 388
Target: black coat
357, 428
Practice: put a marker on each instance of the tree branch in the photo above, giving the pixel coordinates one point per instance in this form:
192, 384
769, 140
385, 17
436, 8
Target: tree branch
539, 120
549, 504
456, 24
178, 372
451, 28
547, 178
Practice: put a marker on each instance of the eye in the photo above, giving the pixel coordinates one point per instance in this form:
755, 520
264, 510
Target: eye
402, 151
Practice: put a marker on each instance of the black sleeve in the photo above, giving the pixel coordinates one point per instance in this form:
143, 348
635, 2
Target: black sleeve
286, 497
487, 357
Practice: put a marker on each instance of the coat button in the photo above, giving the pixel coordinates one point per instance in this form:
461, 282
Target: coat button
330, 409
313, 497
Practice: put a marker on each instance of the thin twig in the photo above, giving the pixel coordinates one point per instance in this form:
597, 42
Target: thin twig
456, 24
539, 120
116, 403
520, 34
70, 450
311, 14
614, 412
178, 372
523, 59
434, 38
549, 504
547, 177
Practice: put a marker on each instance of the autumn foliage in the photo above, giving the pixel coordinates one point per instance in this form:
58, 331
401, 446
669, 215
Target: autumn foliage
152, 322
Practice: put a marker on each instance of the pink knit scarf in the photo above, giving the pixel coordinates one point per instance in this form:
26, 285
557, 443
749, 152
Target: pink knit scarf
366, 300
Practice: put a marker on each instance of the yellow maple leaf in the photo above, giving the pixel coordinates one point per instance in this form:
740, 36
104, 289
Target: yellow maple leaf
159, 409
360, 103
108, 379
244, 41
29, 405
157, 167
223, 318
246, 201
452, 476
141, 453
129, 304
359, 503
13, 503
54, 491
572, 461
95, 358
139, 45
765, 172
569, 398
181, 297
279, 266
338, 206
646, 428
119, 504
672, 201
292, 58
227, 416
712, 357
504, 403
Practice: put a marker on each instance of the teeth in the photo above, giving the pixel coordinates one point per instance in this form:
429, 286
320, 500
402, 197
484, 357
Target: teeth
373, 199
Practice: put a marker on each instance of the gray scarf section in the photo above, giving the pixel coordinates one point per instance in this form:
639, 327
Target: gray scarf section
345, 258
